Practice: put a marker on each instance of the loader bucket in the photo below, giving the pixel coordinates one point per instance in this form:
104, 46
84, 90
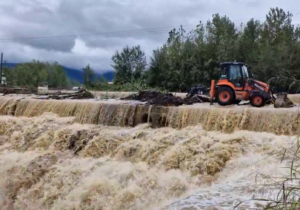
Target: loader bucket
282, 101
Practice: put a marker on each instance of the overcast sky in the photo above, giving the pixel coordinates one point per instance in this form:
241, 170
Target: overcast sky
90, 31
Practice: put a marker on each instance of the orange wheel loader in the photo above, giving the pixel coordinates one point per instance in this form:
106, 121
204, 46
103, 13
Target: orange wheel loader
235, 85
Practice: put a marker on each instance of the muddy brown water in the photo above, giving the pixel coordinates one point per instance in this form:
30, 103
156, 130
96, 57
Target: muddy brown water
129, 113
88, 155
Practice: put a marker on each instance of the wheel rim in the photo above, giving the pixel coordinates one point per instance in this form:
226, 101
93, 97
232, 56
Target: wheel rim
224, 96
257, 100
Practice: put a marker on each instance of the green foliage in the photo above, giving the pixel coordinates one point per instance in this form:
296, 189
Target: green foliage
75, 83
37, 73
88, 75
129, 64
271, 48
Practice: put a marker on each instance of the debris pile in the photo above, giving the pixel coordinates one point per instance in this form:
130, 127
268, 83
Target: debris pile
81, 94
14, 90
165, 99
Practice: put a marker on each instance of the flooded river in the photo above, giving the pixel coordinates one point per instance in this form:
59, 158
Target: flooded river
48, 162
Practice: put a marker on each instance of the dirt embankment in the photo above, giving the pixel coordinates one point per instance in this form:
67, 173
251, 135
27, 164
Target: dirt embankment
128, 113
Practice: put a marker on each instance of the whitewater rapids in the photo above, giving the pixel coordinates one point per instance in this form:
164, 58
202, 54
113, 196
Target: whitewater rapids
49, 162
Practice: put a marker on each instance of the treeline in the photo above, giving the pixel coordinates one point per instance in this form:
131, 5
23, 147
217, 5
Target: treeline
123, 82
36, 73
188, 58
271, 48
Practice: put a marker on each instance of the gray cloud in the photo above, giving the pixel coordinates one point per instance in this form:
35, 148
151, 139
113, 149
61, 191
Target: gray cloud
112, 23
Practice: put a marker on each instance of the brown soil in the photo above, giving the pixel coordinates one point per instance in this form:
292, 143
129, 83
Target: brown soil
165, 99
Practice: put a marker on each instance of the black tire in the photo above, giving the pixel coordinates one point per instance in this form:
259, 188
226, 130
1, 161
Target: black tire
225, 91
237, 101
257, 100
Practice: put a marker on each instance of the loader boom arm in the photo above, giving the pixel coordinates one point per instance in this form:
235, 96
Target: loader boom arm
258, 85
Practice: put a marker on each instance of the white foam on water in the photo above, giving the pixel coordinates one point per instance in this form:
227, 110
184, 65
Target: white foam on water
48, 162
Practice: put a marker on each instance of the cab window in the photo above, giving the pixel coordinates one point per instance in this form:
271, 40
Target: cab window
235, 75
245, 72
223, 73
235, 72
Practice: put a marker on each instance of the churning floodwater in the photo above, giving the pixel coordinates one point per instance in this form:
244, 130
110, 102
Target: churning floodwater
52, 162
284, 121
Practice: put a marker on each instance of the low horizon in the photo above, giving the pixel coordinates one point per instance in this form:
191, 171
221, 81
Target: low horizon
102, 71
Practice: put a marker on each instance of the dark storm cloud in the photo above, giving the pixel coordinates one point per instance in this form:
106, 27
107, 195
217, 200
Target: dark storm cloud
95, 29
30, 21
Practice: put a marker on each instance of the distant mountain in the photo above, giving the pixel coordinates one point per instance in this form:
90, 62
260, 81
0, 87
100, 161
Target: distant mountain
10, 65
76, 74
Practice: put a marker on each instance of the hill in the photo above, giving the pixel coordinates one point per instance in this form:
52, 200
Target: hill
76, 74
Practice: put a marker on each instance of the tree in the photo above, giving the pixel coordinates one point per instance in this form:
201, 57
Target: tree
156, 73
57, 76
248, 42
271, 48
221, 36
130, 65
88, 75
277, 45
36, 73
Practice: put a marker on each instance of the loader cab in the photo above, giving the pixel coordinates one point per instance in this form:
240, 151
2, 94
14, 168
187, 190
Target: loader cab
234, 72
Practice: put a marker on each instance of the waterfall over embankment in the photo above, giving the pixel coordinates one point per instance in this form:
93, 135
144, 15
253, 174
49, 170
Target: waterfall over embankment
95, 155
48, 162
213, 118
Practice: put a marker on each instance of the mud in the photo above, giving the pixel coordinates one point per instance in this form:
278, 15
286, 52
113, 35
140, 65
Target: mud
48, 162
165, 99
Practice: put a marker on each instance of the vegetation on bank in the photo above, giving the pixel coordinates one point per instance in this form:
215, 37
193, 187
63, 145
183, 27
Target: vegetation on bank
271, 48
286, 187
188, 58
37, 73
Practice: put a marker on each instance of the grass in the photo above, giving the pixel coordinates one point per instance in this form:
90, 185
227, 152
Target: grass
288, 187
288, 196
